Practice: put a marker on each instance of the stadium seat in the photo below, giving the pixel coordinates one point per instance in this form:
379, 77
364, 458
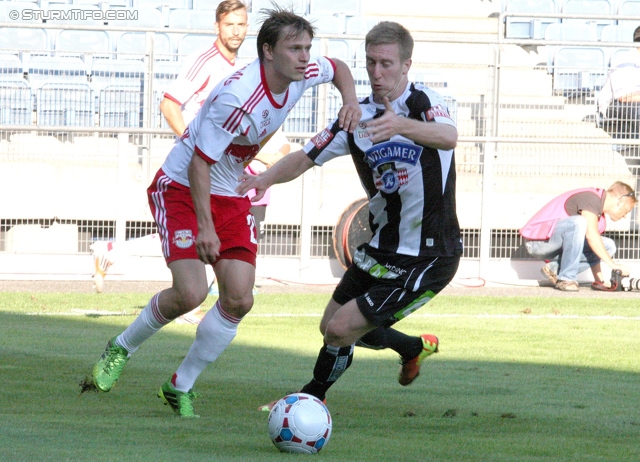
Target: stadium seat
108, 72
623, 55
578, 70
629, 8
330, 7
205, 5
138, 17
73, 14
526, 27
65, 104
10, 66
572, 31
335, 48
600, 7
328, 23
132, 45
15, 101
6, 7
248, 50
120, 106
191, 43
34, 41
299, 6
192, 19
302, 118
619, 33
43, 69
359, 25
183, 4
80, 42
165, 73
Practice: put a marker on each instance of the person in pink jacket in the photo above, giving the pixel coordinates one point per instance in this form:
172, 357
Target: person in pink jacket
568, 232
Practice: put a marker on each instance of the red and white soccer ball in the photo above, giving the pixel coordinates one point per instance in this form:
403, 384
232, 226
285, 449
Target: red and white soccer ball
300, 423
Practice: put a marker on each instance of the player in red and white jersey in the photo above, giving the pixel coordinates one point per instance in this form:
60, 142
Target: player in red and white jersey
204, 69
201, 72
200, 217
236, 120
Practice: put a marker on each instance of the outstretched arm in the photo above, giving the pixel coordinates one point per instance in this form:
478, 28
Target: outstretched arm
350, 113
286, 169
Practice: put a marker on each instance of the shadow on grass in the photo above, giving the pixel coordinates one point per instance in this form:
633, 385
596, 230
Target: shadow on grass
456, 410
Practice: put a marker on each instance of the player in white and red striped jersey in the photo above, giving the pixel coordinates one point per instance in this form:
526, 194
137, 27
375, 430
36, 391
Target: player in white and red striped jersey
201, 72
204, 69
200, 217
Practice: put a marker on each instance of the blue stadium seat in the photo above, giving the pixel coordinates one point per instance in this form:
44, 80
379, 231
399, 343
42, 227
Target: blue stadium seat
345, 7
526, 27
578, 70
79, 42
120, 106
15, 102
65, 104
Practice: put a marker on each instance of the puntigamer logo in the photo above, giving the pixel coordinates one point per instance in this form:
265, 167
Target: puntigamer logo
393, 151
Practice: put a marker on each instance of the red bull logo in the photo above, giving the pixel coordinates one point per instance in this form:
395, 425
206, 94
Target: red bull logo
183, 238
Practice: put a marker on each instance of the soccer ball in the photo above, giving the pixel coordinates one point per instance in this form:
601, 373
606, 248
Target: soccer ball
300, 423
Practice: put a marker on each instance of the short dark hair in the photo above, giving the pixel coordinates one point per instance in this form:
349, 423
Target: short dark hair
276, 20
227, 6
388, 32
636, 34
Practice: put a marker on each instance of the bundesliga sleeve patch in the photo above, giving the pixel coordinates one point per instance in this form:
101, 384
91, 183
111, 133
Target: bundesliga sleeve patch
437, 111
322, 139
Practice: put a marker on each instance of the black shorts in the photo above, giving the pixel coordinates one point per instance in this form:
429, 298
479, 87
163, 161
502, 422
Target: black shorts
389, 287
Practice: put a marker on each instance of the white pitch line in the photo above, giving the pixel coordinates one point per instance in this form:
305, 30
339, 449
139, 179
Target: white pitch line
415, 315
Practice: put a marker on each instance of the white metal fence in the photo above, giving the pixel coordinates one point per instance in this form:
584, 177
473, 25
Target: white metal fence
81, 134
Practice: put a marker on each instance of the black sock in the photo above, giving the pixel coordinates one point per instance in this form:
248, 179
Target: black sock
406, 346
331, 363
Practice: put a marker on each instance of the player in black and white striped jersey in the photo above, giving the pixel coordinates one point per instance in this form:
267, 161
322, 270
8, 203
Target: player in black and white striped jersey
403, 151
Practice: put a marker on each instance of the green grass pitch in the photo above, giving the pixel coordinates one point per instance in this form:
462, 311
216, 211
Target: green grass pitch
516, 379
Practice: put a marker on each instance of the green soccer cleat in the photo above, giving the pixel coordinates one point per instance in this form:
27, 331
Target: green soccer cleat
410, 369
107, 370
179, 401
